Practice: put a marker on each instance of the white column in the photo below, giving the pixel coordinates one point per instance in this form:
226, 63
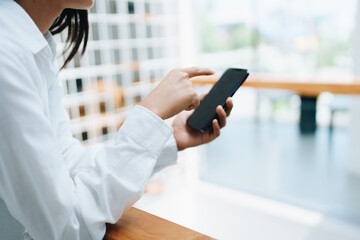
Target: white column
187, 33
354, 129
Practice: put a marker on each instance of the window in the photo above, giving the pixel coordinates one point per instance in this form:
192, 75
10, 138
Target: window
137, 98
134, 54
95, 31
84, 136
132, 29
114, 31
70, 113
147, 7
79, 85
150, 51
82, 111
97, 56
148, 31
102, 106
68, 86
136, 77
131, 7
279, 36
117, 56
77, 59
93, 8
104, 130
112, 7
119, 79
152, 76
114, 72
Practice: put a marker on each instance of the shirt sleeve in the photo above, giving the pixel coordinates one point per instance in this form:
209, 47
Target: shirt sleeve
78, 158
41, 191
168, 155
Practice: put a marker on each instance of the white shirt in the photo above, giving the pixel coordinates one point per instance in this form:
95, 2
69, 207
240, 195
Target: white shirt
50, 185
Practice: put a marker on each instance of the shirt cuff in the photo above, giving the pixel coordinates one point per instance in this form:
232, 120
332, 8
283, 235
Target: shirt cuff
147, 129
168, 155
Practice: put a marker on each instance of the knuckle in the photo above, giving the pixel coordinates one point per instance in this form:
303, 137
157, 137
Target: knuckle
189, 85
193, 69
174, 71
193, 95
184, 75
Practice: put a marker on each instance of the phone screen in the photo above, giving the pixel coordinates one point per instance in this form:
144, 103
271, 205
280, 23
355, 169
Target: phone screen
226, 87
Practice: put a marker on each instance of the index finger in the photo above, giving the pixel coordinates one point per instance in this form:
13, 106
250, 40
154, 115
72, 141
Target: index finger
195, 71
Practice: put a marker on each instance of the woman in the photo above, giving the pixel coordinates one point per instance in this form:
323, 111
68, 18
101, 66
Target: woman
50, 186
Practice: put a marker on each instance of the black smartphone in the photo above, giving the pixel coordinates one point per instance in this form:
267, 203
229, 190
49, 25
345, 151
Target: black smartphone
226, 87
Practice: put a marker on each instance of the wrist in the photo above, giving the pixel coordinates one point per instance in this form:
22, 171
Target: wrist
179, 144
153, 109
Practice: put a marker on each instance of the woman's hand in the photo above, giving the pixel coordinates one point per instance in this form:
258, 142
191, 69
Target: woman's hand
187, 137
175, 93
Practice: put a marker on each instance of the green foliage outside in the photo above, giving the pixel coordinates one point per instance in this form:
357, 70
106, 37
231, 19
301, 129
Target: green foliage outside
330, 50
230, 37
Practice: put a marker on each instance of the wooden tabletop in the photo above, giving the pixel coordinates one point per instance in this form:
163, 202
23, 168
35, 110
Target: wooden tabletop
306, 86
137, 224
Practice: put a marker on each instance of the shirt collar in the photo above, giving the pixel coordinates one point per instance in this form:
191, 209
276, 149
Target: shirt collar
34, 40
52, 44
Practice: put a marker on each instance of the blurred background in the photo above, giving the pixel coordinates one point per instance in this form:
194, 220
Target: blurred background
265, 177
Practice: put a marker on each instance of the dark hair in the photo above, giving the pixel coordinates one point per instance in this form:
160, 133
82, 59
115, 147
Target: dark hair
76, 21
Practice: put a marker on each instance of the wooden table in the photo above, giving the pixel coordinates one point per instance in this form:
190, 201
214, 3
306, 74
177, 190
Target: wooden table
308, 88
305, 86
139, 225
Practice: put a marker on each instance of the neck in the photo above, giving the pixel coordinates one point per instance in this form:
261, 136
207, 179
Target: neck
42, 12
